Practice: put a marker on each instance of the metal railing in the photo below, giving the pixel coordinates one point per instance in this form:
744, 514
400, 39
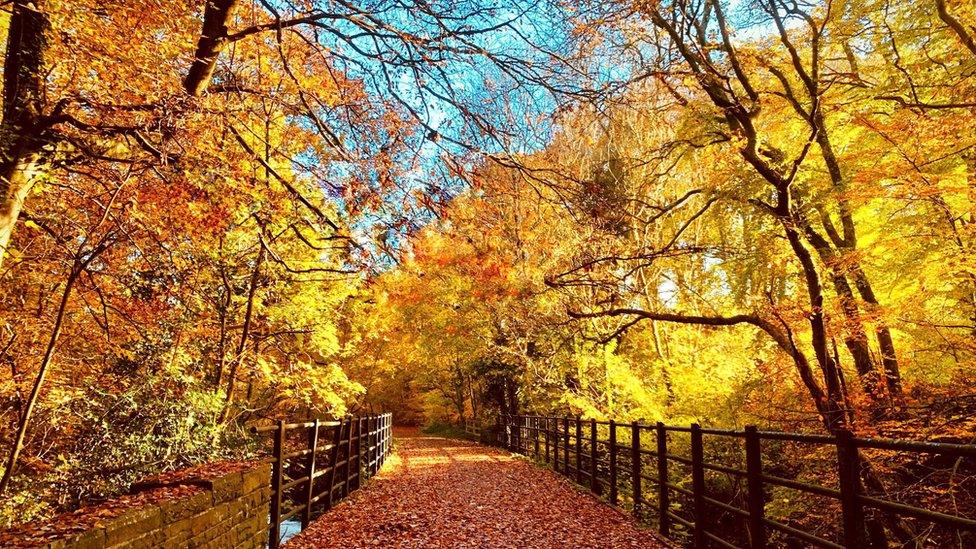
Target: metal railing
596, 461
352, 448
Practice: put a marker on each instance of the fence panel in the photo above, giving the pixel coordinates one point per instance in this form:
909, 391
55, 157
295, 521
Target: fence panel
753, 527
362, 443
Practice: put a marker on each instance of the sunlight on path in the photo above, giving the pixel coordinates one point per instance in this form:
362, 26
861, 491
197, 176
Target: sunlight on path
436, 492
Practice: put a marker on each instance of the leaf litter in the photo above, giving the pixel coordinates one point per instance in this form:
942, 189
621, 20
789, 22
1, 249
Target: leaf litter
437, 492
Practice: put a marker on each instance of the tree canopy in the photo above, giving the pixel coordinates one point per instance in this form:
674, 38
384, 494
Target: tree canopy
724, 211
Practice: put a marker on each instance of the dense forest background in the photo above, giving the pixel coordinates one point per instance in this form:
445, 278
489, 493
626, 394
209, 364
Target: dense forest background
748, 212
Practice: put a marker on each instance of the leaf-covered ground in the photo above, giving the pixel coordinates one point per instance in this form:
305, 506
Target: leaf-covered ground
437, 492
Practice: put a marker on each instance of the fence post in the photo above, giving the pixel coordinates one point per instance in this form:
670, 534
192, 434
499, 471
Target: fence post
363, 450
613, 462
276, 481
345, 484
579, 450
372, 445
663, 495
382, 441
389, 432
386, 436
520, 423
566, 445
500, 435
508, 432
635, 466
523, 434
503, 430
359, 453
849, 475
513, 431
333, 464
377, 439
535, 435
313, 446
377, 449
548, 424
366, 458
698, 483
756, 506
554, 422
594, 480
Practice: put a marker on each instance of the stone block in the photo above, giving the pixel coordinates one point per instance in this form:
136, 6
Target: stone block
91, 539
201, 523
132, 524
227, 487
176, 537
230, 525
182, 508
257, 478
256, 501
217, 531
146, 541
223, 511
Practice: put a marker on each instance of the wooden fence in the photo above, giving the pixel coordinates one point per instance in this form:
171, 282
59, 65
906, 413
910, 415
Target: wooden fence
352, 449
630, 455
472, 427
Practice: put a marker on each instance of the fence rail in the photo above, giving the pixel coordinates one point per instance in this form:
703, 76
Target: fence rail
600, 463
352, 449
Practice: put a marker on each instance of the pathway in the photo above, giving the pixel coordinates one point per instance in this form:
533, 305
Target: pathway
443, 493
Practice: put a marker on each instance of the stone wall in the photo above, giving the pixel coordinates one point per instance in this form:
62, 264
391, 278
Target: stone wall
230, 511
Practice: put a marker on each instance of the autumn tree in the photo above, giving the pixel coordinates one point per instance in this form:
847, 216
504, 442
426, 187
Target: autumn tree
269, 155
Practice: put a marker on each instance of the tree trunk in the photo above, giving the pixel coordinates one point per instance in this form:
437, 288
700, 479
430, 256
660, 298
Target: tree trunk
957, 27
848, 243
856, 339
511, 396
831, 407
889, 360
245, 332
76, 270
21, 142
223, 309
16, 180
38, 383
855, 336
213, 40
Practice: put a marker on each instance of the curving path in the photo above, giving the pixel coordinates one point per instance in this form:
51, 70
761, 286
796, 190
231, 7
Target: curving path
437, 492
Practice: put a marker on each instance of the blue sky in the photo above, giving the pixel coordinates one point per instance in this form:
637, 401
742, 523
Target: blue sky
470, 92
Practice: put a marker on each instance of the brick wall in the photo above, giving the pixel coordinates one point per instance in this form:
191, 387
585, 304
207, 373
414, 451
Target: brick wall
230, 511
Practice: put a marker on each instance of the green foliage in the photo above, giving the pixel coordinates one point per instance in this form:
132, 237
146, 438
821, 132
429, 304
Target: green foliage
446, 430
157, 424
